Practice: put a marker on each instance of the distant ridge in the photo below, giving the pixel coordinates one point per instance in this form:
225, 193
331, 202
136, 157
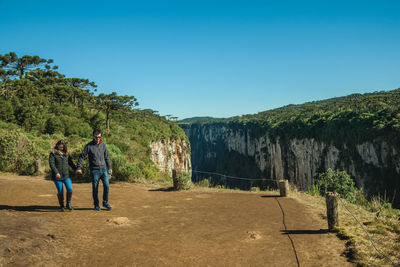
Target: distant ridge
198, 119
357, 103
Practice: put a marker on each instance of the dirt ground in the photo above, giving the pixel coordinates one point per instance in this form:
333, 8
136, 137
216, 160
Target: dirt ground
150, 226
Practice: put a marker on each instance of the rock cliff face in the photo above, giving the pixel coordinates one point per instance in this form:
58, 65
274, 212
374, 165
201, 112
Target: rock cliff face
171, 155
216, 147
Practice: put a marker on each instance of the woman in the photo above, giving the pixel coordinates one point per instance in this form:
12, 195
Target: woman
59, 160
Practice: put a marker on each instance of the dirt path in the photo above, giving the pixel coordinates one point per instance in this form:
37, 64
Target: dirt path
152, 227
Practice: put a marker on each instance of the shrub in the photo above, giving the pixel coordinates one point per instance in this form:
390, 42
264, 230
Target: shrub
85, 165
98, 120
118, 161
360, 198
8, 149
254, 189
204, 183
314, 190
339, 182
54, 125
150, 172
75, 126
164, 177
17, 152
6, 111
25, 165
130, 171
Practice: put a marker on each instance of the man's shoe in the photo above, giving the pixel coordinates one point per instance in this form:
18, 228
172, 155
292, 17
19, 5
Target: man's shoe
107, 206
96, 208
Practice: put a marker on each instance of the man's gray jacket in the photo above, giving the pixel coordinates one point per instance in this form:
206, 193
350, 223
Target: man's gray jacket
98, 156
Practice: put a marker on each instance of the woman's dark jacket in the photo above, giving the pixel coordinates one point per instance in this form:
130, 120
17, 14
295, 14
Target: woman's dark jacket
59, 162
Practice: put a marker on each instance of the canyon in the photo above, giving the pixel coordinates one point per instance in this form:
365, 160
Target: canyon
238, 151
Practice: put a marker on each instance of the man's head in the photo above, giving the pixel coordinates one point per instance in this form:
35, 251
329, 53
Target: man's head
97, 136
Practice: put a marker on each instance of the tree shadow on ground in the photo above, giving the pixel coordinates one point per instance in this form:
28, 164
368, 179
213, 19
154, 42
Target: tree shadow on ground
305, 232
164, 189
270, 196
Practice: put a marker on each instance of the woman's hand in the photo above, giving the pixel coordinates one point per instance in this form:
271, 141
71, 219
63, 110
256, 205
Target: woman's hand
58, 176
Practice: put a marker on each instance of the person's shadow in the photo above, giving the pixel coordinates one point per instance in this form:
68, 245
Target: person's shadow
36, 208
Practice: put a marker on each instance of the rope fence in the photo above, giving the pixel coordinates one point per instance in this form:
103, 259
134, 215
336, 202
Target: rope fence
366, 232
342, 202
233, 177
229, 177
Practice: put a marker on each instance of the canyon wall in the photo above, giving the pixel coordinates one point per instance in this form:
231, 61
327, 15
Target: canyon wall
237, 151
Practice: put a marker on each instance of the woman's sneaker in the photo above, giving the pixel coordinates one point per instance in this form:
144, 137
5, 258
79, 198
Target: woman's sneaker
96, 208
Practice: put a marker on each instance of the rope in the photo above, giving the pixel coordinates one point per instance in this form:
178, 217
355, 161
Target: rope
290, 238
294, 249
234, 177
369, 237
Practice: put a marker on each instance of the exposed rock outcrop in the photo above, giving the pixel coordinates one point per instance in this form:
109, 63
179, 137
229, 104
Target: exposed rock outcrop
171, 155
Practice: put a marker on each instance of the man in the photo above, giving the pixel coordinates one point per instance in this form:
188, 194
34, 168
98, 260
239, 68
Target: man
98, 161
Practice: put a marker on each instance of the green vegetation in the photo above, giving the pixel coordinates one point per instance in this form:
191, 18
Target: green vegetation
377, 217
182, 181
39, 105
197, 120
204, 183
355, 118
337, 181
344, 122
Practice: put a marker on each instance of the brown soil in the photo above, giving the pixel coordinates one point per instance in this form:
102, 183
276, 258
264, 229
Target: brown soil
150, 226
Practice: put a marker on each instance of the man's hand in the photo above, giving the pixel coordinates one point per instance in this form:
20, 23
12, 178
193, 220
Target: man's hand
58, 176
110, 172
79, 171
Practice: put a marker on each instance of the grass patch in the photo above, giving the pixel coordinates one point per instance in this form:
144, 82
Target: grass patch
379, 219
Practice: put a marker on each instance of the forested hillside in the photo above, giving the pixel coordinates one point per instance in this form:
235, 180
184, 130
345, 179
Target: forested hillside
39, 105
359, 134
358, 117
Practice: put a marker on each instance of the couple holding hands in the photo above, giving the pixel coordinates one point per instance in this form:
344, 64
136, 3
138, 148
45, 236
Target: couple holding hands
99, 161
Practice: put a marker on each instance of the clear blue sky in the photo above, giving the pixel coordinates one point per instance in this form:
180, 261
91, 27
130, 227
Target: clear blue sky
213, 58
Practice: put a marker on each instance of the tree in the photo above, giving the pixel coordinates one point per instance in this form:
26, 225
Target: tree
339, 182
4, 80
15, 66
48, 75
113, 102
81, 88
61, 93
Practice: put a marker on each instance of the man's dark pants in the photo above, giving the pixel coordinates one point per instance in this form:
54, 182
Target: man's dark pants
98, 175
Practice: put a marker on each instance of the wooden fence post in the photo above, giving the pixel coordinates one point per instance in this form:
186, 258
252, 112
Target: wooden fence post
175, 180
284, 188
332, 210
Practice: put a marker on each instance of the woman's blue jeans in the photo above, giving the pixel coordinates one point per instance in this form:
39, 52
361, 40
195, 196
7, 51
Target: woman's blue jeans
98, 175
59, 185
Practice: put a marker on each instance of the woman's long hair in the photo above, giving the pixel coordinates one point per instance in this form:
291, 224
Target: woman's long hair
62, 142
